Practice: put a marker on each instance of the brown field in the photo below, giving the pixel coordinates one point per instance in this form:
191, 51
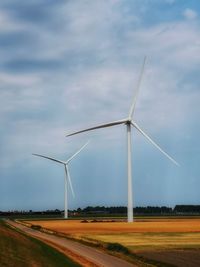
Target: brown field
173, 241
147, 226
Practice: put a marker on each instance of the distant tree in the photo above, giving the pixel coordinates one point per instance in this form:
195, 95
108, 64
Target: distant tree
187, 209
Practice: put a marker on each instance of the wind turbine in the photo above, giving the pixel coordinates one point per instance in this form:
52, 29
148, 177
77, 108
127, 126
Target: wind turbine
129, 122
67, 175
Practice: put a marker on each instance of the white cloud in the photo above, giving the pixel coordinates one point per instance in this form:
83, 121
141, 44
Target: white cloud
175, 44
189, 14
18, 79
8, 24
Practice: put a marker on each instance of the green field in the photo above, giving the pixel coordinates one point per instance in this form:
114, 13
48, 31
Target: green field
19, 250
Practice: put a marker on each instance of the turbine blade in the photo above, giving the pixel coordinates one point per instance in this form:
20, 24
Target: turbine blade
75, 154
69, 179
98, 127
151, 141
53, 159
132, 109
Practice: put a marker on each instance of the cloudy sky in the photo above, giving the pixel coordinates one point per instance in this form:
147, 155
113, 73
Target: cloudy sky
72, 64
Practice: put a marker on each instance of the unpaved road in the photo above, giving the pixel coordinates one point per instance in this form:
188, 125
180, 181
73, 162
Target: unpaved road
93, 255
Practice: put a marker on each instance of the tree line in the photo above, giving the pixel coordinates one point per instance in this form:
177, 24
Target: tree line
178, 209
154, 210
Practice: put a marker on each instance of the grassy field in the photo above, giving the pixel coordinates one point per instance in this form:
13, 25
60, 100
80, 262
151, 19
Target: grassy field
21, 251
160, 239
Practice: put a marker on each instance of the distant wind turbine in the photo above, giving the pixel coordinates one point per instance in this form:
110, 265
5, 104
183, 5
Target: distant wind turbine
67, 175
129, 122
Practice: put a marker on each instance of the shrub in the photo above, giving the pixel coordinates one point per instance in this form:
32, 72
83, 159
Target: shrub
117, 247
36, 227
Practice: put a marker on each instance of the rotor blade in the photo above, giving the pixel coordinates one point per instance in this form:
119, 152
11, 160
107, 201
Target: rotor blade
56, 160
69, 179
98, 127
132, 109
151, 141
75, 154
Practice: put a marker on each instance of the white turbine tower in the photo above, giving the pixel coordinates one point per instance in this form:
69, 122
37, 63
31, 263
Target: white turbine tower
67, 175
129, 122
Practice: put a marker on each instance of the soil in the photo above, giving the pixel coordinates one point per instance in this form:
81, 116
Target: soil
179, 258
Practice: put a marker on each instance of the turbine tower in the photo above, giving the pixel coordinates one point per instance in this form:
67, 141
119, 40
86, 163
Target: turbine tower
67, 175
129, 123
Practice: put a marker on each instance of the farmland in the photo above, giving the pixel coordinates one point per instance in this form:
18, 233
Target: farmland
20, 250
106, 227
174, 241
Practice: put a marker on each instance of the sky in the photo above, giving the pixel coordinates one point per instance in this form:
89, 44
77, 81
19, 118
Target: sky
67, 65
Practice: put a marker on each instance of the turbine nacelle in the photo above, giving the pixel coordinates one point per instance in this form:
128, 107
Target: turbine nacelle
129, 121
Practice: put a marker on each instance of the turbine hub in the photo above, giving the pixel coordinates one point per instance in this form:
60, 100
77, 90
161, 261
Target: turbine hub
128, 121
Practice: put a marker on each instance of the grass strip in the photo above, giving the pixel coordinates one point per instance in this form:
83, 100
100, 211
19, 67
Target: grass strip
20, 250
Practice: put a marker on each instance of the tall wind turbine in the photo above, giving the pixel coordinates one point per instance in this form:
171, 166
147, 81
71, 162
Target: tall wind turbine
67, 175
129, 123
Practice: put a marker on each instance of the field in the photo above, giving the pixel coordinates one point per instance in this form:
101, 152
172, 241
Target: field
21, 251
174, 241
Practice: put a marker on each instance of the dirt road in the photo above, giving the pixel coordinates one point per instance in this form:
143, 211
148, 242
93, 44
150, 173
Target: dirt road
93, 255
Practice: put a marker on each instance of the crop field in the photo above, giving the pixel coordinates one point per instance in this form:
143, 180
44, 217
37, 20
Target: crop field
173, 241
20, 250
107, 227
